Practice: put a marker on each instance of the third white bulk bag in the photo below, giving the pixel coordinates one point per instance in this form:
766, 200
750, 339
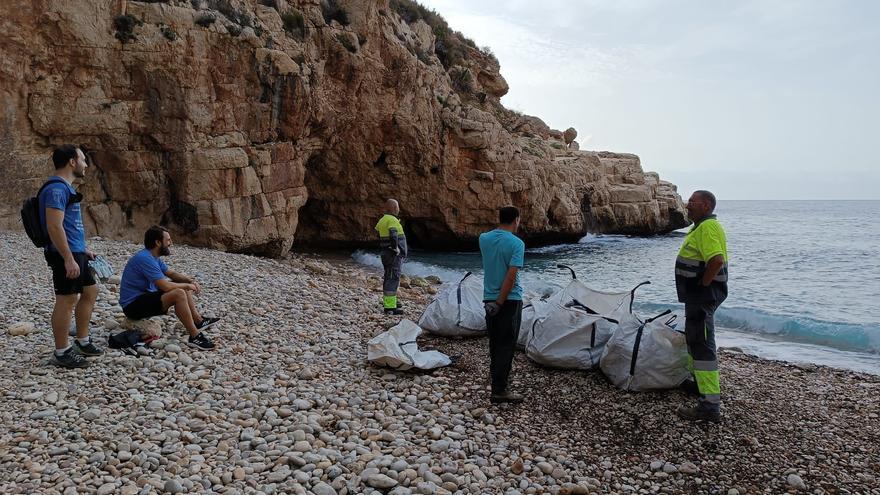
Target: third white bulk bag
646, 355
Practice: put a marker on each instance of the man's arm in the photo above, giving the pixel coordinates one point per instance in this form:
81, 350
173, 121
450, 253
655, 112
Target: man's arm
392, 233
507, 285
55, 227
166, 285
183, 279
713, 266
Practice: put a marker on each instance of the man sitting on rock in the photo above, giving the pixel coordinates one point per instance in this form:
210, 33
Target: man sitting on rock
148, 288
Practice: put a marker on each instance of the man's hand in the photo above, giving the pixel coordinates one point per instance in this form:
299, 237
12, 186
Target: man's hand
397, 251
71, 267
90, 254
492, 308
194, 287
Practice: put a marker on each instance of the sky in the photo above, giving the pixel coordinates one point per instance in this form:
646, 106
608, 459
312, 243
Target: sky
771, 99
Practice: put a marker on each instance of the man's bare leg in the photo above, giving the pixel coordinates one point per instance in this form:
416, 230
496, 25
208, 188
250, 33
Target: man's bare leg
61, 319
178, 299
191, 301
84, 308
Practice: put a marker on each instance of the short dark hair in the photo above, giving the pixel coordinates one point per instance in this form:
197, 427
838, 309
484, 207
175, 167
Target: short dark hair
709, 197
153, 234
63, 154
507, 215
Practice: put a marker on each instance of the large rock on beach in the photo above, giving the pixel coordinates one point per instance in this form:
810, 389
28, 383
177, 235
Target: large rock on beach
246, 125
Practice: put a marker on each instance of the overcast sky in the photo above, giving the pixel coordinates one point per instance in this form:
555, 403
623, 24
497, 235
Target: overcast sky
750, 99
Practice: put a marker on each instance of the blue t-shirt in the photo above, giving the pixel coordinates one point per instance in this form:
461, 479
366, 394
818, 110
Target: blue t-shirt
140, 276
501, 250
56, 196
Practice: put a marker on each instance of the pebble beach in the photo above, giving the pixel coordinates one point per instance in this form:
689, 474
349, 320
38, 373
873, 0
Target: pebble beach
288, 403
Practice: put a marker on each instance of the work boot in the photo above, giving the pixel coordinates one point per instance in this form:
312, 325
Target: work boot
507, 396
393, 311
698, 413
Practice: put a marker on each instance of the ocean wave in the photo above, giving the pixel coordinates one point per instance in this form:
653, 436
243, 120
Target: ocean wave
410, 268
838, 335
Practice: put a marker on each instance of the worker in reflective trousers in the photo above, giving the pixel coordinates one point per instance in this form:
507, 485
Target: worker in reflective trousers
393, 242
701, 283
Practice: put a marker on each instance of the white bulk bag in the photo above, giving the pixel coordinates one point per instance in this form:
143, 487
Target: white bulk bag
458, 310
397, 348
575, 325
645, 355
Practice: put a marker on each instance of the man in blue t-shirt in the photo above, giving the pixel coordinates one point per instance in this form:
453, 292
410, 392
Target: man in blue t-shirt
148, 288
503, 254
68, 258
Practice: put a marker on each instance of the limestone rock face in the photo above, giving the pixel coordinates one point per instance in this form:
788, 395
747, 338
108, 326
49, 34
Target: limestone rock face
254, 131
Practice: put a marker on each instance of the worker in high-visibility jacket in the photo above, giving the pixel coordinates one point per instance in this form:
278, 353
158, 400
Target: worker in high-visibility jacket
394, 251
701, 283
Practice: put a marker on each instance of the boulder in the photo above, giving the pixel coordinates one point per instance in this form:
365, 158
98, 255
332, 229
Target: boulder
20, 328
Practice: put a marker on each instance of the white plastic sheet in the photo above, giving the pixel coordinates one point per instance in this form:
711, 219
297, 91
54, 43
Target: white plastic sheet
457, 311
645, 355
397, 348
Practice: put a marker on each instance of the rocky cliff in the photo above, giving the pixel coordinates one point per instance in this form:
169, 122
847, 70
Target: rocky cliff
247, 125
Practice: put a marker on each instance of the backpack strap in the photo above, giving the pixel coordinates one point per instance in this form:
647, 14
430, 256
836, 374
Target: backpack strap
53, 180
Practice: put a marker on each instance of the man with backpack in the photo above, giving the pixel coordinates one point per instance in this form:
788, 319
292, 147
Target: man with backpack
68, 257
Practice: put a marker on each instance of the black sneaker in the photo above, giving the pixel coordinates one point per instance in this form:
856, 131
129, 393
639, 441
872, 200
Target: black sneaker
70, 359
201, 342
393, 311
206, 323
89, 349
698, 414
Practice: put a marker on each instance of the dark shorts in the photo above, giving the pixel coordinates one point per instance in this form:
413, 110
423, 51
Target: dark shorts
66, 286
146, 305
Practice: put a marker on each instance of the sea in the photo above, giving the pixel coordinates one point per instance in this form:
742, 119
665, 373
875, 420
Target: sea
804, 277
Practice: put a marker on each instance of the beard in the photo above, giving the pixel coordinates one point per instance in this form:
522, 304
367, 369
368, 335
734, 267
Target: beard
79, 173
164, 251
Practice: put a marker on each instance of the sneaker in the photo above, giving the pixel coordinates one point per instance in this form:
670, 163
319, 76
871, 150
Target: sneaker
206, 323
70, 359
511, 397
201, 342
89, 349
698, 414
393, 311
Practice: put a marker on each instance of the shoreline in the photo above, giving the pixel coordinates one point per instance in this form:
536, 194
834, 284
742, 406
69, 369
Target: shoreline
288, 404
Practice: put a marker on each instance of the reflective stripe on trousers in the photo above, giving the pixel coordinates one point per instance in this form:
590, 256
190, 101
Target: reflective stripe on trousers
700, 336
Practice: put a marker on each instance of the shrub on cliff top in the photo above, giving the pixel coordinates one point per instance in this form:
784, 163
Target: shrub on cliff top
451, 46
332, 11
